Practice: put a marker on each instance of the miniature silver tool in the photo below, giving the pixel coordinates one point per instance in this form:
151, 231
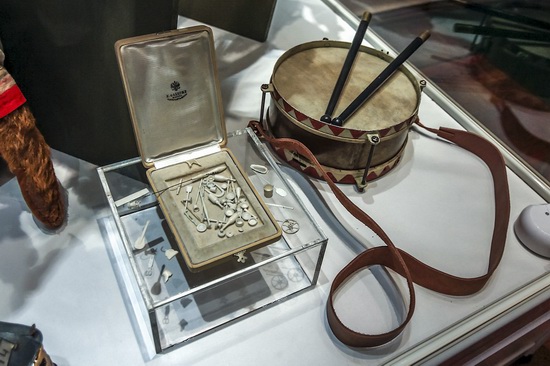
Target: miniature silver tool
204, 211
188, 190
156, 288
140, 242
241, 257
230, 221
170, 253
290, 226
262, 170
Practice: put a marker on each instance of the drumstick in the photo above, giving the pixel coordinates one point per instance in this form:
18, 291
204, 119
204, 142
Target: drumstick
381, 78
346, 67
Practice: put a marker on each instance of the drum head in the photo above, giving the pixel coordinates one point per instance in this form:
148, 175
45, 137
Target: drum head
306, 77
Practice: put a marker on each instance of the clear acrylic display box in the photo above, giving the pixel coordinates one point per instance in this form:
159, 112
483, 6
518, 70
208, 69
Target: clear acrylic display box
177, 304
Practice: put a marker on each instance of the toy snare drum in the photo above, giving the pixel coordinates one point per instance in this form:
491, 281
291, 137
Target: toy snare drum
372, 140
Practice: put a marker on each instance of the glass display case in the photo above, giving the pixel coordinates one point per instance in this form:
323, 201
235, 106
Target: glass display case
179, 304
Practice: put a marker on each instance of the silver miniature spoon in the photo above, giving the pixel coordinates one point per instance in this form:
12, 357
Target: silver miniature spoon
155, 289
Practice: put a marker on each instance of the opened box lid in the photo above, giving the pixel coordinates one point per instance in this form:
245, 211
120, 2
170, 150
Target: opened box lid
173, 92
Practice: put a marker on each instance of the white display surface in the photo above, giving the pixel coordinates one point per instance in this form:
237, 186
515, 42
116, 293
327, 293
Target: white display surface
437, 204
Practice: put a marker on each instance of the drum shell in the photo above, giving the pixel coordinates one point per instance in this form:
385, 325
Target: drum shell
332, 152
341, 150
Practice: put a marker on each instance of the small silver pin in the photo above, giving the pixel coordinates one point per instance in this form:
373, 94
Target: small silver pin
280, 206
190, 163
179, 187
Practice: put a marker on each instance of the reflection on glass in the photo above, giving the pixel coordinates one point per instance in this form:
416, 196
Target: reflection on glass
491, 57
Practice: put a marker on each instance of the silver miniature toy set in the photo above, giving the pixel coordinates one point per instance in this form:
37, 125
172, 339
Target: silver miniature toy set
212, 208
205, 227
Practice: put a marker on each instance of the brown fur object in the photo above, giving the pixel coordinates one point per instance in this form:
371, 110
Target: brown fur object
28, 157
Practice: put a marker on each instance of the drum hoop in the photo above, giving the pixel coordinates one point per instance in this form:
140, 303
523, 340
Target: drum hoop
336, 133
326, 130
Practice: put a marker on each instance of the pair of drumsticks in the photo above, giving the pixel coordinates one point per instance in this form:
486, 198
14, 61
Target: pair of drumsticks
375, 84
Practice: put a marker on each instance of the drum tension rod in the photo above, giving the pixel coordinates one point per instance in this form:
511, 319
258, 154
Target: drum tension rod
374, 139
266, 88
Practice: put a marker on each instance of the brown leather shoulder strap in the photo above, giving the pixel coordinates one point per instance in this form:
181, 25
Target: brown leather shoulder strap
398, 260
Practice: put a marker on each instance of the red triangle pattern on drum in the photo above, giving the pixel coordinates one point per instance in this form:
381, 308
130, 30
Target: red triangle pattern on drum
317, 124
332, 177
335, 129
300, 116
372, 176
385, 132
356, 134
400, 126
347, 179
285, 105
345, 133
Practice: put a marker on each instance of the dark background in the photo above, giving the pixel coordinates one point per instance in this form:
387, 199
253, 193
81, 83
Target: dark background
61, 54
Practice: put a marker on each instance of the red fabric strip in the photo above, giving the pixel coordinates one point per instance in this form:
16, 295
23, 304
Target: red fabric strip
10, 100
